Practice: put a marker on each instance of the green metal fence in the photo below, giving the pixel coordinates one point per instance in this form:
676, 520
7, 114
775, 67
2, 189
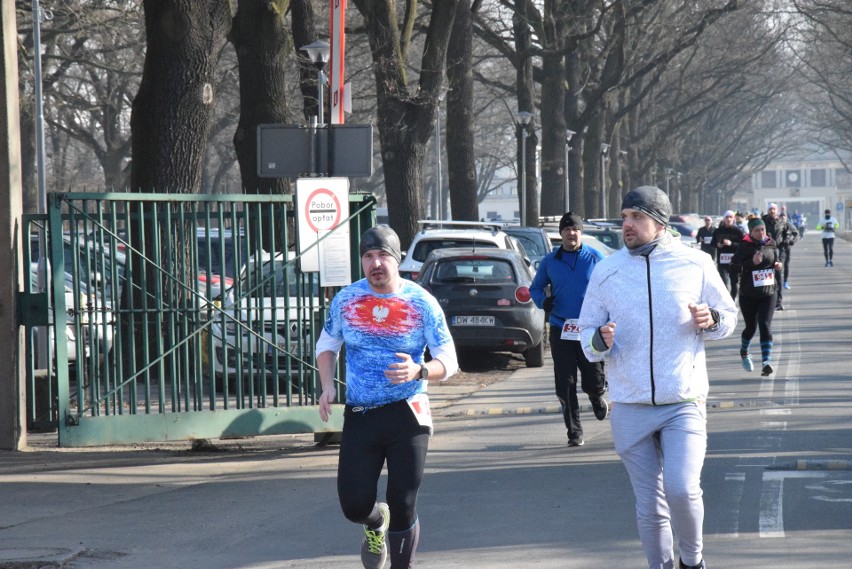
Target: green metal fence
168, 317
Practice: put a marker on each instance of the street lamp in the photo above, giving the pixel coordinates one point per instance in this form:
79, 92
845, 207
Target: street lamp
604, 152
668, 173
318, 52
568, 135
524, 118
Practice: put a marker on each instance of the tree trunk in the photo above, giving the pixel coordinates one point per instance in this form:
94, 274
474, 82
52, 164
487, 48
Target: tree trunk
170, 123
574, 78
527, 189
461, 164
405, 119
263, 46
553, 107
592, 167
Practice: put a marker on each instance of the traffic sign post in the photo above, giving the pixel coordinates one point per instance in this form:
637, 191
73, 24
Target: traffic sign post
322, 204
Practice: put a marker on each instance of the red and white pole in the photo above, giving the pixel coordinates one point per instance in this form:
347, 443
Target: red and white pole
337, 29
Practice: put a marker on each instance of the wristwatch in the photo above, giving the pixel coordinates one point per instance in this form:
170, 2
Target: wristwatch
424, 372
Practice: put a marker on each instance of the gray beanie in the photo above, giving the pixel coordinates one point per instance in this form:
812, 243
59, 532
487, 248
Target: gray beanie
381, 237
651, 201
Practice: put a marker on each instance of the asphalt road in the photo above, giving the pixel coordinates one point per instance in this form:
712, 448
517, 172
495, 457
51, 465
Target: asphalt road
501, 490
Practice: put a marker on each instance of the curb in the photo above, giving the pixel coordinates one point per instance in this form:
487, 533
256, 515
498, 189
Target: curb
497, 411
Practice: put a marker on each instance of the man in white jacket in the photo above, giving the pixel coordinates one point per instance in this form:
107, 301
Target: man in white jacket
647, 312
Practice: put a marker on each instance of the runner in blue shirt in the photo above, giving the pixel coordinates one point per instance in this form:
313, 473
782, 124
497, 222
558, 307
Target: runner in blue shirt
567, 271
386, 323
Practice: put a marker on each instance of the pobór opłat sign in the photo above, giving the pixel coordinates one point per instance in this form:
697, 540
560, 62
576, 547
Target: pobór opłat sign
322, 210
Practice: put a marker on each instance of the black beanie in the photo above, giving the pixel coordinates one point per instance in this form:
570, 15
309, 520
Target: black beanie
651, 201
570, 220
381, 237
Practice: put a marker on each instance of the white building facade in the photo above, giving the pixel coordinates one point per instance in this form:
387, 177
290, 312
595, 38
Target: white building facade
810, 185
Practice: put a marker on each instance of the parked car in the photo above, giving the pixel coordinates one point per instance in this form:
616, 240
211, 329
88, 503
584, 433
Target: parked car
269, 322
534, 239
601, 222
89, 314
217, 261
588, 240
687, 232
485, 296
690, 218
434, 235
612, 237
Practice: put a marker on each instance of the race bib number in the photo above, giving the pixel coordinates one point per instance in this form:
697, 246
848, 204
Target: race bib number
570, 330
763, 277
708, 239
725, 258
419, 404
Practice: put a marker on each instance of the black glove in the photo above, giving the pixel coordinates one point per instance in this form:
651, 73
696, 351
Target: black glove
548, 303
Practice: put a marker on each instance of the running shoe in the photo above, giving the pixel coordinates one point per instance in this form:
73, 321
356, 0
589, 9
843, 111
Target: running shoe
682, 565
576, 442
601, 408
827, 263
748, 365
374, 551
779, 307
767, 369
831, 263
786, 284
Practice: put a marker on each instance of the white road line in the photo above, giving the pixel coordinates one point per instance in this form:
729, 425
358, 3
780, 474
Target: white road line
771, 519
794, 349
736, 484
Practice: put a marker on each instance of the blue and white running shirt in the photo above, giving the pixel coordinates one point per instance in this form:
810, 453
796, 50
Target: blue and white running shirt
376, 326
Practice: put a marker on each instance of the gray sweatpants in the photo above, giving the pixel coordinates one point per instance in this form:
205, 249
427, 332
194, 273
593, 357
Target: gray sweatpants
663, 449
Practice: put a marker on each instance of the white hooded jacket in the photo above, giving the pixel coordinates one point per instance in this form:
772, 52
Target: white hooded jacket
657, 356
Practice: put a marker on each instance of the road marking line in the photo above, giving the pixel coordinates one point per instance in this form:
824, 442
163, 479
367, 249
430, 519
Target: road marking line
771, 520
737, 480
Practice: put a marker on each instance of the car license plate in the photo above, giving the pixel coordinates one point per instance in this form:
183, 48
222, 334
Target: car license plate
473, 321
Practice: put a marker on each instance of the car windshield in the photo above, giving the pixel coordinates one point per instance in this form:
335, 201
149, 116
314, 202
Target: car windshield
470, 270
426, 246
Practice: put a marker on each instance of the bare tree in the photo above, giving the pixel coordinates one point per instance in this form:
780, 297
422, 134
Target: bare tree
405, 114
461, 162
170, 124
821, 41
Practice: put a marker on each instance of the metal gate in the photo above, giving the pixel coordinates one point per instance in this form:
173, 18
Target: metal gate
169, 317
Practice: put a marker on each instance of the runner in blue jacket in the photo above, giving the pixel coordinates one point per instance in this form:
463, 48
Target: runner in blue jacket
566, 271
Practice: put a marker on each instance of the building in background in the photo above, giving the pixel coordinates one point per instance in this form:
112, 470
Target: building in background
810, 184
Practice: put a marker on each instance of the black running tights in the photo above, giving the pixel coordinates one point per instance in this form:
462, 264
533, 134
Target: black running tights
389, 433
828, 248
757, 313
